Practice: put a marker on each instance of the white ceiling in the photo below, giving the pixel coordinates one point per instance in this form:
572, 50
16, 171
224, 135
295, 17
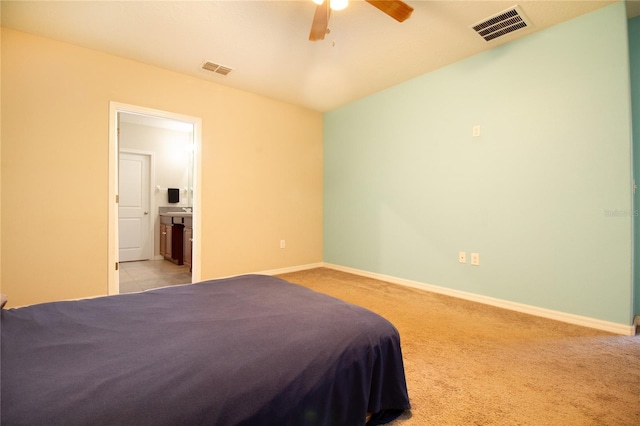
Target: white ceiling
266, 42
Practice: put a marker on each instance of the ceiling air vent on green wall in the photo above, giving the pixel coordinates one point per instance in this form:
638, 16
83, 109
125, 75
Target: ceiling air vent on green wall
503, 23
217, 68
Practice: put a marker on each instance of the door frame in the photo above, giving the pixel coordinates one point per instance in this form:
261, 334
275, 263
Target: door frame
152, 205
112, 226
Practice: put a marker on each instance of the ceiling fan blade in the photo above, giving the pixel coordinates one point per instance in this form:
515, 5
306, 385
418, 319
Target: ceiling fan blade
320, 22
398, 10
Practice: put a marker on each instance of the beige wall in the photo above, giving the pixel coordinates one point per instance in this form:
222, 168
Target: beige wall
0, 160
261, 169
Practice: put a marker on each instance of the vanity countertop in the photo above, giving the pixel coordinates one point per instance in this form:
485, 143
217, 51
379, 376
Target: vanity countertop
177, 214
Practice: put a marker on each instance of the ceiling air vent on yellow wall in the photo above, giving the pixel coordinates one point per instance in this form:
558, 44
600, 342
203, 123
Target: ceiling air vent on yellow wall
501, 24
217, 68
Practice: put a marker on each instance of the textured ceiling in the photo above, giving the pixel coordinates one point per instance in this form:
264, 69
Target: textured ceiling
266, 42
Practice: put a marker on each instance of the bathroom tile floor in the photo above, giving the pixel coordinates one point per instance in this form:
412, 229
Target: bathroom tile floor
148, 274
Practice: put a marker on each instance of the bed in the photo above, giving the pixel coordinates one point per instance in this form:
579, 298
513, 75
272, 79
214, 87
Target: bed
248, 350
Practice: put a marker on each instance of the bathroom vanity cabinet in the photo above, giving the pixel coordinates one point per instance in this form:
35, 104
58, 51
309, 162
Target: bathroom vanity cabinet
188, 246
165, 239
176, 237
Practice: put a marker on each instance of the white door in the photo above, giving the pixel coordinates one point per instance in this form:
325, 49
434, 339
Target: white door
133, 207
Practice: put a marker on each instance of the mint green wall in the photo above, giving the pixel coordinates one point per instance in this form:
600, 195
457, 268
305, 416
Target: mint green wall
634, 59
544, 194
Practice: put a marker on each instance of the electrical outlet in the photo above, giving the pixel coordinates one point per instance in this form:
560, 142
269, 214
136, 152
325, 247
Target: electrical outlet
462, 257
476, 131
283, 244
475, 259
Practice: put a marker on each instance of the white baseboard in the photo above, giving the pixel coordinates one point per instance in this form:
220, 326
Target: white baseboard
291, 269
623, 329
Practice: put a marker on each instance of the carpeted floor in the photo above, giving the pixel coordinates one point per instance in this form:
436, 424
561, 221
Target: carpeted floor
472, 364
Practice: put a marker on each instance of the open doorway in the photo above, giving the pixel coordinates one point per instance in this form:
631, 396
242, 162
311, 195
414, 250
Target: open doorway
153, 181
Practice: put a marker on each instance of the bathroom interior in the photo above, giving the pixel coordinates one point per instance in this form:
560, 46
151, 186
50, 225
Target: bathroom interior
156, 179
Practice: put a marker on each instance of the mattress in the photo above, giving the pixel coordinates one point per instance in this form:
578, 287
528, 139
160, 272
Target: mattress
248, 350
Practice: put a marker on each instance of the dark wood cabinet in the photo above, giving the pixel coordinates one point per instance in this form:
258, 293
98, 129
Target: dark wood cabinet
176, 238
165, 240
188, 246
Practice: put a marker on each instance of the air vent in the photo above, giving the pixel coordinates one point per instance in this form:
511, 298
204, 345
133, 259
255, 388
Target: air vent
501, 24
217, 68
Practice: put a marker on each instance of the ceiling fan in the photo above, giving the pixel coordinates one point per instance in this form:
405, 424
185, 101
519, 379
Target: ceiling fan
398, 10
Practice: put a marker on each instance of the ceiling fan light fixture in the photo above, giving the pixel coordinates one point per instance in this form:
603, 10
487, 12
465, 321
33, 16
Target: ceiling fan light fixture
397, 9
338, 4
334, 4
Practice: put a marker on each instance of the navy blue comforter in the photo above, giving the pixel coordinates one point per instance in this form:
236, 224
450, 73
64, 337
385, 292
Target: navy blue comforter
250, 350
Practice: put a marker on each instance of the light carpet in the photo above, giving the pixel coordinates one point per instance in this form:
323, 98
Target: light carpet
471, 364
